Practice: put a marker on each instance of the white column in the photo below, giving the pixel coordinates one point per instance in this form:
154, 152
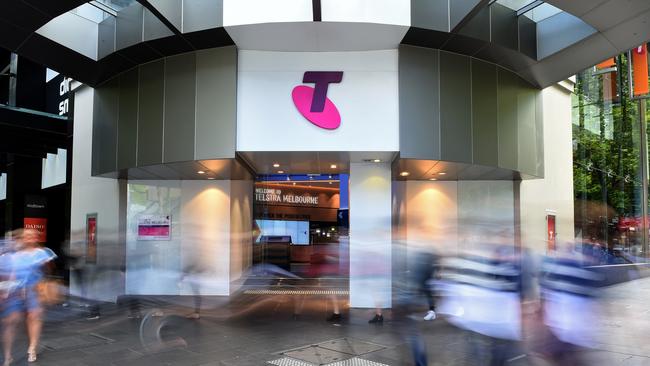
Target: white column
370, 235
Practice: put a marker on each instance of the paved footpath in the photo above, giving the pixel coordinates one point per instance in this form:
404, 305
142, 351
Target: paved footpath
271, 335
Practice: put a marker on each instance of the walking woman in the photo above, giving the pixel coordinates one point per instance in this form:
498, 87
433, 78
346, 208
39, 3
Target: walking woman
25, 266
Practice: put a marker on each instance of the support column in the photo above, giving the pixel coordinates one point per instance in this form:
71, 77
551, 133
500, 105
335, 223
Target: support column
370, 235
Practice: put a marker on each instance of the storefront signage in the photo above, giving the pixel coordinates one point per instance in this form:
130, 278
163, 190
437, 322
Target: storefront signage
58, 98
39, 225
271, 195
91, 238
36, 216
313, 103
154, 227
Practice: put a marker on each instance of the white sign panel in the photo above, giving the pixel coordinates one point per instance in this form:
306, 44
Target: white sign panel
275, 110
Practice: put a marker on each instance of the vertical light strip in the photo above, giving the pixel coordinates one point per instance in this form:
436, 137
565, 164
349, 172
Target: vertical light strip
3, 186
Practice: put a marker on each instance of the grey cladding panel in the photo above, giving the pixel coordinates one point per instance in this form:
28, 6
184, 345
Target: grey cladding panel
202, 14
127, 136
154, 28
508, 113
504, 26
419, 103
430, 14
129, 26
455, 108
479, 26
106, 41
104, 157
528, 37
485, 137
459, 9
180, 90
150, 113
527, 131
216, 103
172, 10
539, 127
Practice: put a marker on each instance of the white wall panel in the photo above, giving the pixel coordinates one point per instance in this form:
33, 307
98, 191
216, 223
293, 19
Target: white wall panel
153, 267
54, 169
554, 193
99, 196
486, 213
367, 99
396, 12
238, 12
432, 216
370, 235
205, 234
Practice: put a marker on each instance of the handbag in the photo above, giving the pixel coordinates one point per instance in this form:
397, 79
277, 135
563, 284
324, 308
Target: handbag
49, 291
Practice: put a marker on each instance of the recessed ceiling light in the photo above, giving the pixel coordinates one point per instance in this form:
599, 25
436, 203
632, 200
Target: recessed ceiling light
211, 178
201, 172
333, 166
433, 178
280, 171
442, 173
377, 161
404, 174
276, 165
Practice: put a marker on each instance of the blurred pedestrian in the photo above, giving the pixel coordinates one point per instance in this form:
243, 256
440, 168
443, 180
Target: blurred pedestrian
25, 268
570, 289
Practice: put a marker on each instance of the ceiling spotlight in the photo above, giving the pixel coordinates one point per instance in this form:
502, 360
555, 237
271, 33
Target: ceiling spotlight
201, 172
404, 174
442, 173
333, 166
433, 178
280, 171
276, 165
211, 178
377, 161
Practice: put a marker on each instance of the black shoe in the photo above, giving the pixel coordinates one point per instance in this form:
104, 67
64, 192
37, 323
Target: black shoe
378, 319
334, 318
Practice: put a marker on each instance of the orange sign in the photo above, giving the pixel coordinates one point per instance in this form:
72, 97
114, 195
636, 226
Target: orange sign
609, 63
640, 70
39, 225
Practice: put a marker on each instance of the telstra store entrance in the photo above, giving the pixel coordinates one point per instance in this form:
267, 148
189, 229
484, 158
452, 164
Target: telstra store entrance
300, 233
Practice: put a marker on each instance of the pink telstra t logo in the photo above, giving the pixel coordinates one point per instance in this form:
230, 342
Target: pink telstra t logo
313, 103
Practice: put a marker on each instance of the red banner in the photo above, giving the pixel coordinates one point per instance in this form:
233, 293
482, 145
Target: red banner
640, 70
39, 225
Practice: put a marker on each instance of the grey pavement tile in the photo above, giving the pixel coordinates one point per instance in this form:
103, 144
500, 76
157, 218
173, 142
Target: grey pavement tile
317, 355
350, 346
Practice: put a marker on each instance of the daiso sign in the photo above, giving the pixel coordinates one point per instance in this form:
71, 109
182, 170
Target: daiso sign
313, 103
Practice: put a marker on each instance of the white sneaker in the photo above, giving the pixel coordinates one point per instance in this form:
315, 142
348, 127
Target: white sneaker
430, 315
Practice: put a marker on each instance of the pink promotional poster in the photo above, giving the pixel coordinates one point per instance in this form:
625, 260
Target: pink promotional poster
154, 227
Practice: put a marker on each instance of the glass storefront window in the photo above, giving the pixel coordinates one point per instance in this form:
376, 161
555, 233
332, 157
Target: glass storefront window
607, 157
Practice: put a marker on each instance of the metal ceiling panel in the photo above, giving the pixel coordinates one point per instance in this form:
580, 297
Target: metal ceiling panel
612, 13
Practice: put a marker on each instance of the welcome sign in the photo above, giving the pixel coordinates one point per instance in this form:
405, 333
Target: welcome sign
271, 195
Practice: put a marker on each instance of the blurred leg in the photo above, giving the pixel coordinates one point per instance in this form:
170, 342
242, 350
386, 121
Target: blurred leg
9, 332
34, 325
